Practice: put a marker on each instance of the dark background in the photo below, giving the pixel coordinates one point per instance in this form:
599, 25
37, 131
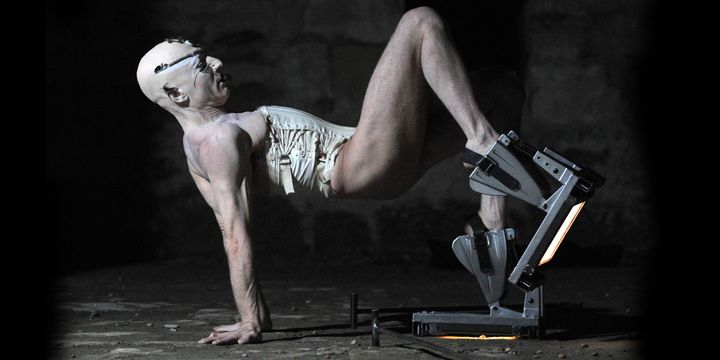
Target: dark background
98, 139
116, 183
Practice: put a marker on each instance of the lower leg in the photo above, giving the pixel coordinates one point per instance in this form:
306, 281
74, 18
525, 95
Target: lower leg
448, 78
491, 211
499, 94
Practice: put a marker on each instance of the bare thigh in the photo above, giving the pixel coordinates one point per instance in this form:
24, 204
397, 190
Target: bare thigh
382, 159
411, 145
390, 149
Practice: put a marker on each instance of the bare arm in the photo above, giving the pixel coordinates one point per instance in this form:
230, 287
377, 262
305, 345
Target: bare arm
227, 190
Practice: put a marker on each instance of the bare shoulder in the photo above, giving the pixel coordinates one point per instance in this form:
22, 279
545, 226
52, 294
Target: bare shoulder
218, 144
226, 136
253, 123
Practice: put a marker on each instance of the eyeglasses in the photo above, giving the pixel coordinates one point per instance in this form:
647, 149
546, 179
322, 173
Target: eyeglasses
181, 40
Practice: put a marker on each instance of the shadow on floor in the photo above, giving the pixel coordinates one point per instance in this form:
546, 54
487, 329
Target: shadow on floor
565, 321
562, 321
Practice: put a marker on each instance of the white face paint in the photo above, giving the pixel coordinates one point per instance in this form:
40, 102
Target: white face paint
209, 85
183, 66
198, 76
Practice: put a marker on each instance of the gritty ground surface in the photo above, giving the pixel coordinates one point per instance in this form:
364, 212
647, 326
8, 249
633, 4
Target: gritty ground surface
160, 310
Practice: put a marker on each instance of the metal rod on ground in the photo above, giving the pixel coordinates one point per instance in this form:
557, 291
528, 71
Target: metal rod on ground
353, 310
376, 330
375, 327
429, 308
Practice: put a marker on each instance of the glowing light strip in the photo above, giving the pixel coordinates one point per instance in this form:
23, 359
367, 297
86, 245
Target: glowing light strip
481, 337
560, 235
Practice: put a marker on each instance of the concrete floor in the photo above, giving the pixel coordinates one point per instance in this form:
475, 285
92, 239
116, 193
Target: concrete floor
159, 311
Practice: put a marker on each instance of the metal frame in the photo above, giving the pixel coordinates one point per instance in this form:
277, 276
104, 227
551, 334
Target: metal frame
499, 320
574, 183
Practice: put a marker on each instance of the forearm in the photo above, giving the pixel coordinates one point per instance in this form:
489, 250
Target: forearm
238, 248
244, 286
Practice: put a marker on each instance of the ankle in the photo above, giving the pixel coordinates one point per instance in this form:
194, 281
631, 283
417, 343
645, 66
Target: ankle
492, 223
482, 143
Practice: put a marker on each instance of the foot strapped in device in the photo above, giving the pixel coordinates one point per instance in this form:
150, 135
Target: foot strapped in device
500, 172
485, 255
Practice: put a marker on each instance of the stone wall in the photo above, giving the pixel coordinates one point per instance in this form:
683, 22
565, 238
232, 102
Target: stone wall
582, 58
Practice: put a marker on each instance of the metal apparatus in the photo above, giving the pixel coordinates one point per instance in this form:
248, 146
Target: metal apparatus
514, 168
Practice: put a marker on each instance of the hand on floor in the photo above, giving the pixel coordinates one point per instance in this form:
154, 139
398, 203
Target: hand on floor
233, 334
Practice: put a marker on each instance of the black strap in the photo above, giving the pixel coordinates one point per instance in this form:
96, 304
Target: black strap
482, 246
490, 167
480, 243
476, 224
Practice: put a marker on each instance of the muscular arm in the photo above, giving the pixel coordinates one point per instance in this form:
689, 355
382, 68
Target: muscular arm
226, 159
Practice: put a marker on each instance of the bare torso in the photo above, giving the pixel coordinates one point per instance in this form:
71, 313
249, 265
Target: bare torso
248, 129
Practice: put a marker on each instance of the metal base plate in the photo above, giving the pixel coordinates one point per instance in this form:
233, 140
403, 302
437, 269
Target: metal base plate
436, 323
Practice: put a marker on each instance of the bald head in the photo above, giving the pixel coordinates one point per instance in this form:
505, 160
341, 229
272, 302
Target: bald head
166, 52
180, 77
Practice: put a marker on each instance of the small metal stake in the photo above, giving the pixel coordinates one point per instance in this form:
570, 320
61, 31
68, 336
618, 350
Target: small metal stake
353, 310
376, 327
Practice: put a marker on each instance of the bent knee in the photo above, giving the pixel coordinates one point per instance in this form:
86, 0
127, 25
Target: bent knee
421, 17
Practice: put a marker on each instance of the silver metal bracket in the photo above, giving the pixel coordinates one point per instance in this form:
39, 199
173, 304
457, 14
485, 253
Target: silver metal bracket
501, 172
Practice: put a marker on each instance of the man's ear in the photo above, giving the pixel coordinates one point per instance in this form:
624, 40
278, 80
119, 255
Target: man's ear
176, 95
